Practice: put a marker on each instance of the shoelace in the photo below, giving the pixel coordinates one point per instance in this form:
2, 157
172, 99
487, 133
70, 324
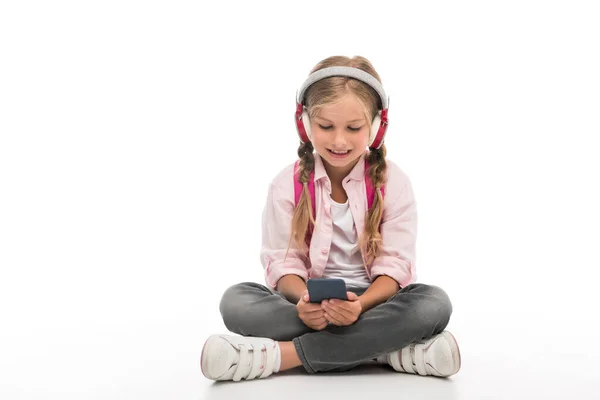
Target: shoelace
254, 362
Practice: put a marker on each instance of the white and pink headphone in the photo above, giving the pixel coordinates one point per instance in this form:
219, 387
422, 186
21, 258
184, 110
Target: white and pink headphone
380, 122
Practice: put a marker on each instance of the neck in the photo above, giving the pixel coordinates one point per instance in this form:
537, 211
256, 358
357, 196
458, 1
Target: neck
337, 174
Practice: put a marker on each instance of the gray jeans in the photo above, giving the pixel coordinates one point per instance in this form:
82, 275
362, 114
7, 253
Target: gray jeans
416, 312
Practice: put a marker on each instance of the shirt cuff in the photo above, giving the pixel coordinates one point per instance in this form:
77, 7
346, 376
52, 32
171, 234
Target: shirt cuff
277, 269
401, 272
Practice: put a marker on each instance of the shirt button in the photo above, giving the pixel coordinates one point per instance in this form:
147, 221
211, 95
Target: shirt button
324, 250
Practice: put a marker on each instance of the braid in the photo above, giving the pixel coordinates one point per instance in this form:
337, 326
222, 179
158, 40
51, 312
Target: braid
370, 241
307, 161
303, 213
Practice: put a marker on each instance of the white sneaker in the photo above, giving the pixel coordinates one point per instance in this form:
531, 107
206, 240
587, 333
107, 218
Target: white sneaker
438, 355
228, 357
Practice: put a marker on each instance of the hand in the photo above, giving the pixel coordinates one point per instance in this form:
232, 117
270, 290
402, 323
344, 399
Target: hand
342, 312
311, 314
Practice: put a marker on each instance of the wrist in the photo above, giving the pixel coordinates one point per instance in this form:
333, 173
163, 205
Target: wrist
363, 304
292, 287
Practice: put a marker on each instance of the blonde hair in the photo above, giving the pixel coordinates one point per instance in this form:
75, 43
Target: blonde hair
318, 95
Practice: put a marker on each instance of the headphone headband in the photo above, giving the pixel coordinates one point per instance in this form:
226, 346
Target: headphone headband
349, 72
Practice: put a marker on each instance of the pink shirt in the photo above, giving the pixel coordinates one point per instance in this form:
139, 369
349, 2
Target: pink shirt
398, 228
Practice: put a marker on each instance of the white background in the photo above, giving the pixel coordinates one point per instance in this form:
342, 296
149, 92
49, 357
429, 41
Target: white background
138, 139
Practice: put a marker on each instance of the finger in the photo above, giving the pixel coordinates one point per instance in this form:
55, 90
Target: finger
319, 321
311, 308
329, 318
312, 314
339, 312
305, 296
311, 320
321, 326
315, 317
351, 296
335, 313
334, 319
343, 305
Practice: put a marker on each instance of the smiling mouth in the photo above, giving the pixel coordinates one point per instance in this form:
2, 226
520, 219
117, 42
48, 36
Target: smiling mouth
339, 153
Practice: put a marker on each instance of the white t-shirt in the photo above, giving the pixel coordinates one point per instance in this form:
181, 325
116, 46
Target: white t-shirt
345, 260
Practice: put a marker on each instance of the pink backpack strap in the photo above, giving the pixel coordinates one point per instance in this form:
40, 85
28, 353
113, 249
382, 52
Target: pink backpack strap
298, 188
370, 188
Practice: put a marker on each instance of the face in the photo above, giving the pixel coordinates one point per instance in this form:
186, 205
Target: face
340, 134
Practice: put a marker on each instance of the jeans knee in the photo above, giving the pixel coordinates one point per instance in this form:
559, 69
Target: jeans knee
230, 305
436, 306
442, 299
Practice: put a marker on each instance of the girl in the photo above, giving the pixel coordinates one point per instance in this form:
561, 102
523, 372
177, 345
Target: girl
369, 243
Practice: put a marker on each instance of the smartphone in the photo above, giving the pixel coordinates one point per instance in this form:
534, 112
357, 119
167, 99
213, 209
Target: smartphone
320, 289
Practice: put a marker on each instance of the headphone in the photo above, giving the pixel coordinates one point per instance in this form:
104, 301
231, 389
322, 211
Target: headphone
380, 122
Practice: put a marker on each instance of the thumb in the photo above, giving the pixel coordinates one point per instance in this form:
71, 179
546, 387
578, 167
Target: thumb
305, 296
352, 296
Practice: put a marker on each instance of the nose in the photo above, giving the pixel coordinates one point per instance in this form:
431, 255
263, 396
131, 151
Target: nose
339, 139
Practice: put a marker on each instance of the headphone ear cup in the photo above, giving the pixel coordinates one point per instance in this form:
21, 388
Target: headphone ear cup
306, 123
375, 128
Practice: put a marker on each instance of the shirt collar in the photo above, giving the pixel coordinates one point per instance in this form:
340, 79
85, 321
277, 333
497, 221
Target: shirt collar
357, 173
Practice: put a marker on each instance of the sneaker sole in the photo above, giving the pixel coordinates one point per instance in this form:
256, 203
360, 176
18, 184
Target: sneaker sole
455, 351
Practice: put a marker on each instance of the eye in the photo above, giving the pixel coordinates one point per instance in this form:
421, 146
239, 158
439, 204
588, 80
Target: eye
354, 129
325, 128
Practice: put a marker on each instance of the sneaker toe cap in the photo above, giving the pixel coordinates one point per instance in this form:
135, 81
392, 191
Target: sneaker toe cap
218, 358
444, 356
